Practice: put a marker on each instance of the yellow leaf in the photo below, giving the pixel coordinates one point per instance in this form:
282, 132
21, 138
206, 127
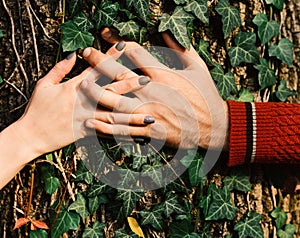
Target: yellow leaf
135, 227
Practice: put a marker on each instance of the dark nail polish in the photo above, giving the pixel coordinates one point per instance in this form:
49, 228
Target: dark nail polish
149, 120
144, 80
121, 45
141, 140
70, 56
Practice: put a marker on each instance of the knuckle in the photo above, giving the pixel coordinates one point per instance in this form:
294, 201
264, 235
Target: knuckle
122, 75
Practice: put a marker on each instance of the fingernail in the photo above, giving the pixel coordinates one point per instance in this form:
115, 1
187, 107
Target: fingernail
149, 120
70, 56
86, 52
144, 80
121, 45
89, 123
141, 140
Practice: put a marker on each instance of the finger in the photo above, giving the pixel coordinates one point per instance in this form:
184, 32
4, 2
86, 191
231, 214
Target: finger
109, 99
107, 65
123, 118
143, 59
60, 70
116, 50
188, 57
111, 35
128, 85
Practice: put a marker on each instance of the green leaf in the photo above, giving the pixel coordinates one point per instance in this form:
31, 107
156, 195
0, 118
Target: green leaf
107, 14
283, 51
171, 205
94, 202
1, 80
79, 206
38, 234
1, 34
288, 232
121, 233
49, 179
277, 3
182, 229
266, 29
221, 206
199, 9
128, 178
73, 38
82, 22
177, 24
202, 50
237, 181
204, 204
130, 29
266, 75
250, 227
140, 6
138, 161
230, 17
245, 96
153, 217
154, 172
97, 189
283, 92
64, 222
245, 49
82, 174
280, 217
193, 161
74, 6
181, 1
129, 198
95, 232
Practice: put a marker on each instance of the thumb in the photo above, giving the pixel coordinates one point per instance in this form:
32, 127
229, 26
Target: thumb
60, 70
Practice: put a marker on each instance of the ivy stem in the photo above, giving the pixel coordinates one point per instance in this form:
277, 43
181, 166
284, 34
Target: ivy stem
33, 166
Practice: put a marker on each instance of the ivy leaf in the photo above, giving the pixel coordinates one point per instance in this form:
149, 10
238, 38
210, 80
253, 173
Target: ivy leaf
153, 217
73, 38
237, 181
280, 217
171, 205
74, 6
129, 198
140, 6
38, 234
250, 227
79, 206
128, 178
245, 96
97, 189
230, 17
154, 172
95, 232
245, 49
182, 229
199, 9
266, 75
1, 34
277, 3
94, 202
225, 83
202, 50
121, 233
130, 29
107, 14
193, 161
82, 174
82, 22
64, 222
288, 232
283, 92
266, 29
138, 161
221, 206
50, 180
177, 24
181, 1
283, 51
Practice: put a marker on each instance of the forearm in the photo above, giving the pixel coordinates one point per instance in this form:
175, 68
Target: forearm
14, 153
264, 133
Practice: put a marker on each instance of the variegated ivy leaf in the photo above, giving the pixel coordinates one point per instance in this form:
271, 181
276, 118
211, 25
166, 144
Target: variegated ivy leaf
199, 9
180, 1
131, 29
288, 231
193, 161
74, 6
266, 75
230, 17
202, 50
172, 205
283, 51
82, 22
250, 227
277, 3
94, 232
177, 24
283, 92
153, 217
140, 6
245, 49
107, 14
225, 82
245, 96
129, 198
73, 38
266, 29
238, 181
79, 206
121, 233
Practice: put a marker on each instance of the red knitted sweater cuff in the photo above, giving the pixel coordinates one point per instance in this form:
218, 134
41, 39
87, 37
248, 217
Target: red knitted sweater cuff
264, 133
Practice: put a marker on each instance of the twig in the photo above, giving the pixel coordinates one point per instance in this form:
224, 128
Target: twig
14, 44
34, 39
31, 190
